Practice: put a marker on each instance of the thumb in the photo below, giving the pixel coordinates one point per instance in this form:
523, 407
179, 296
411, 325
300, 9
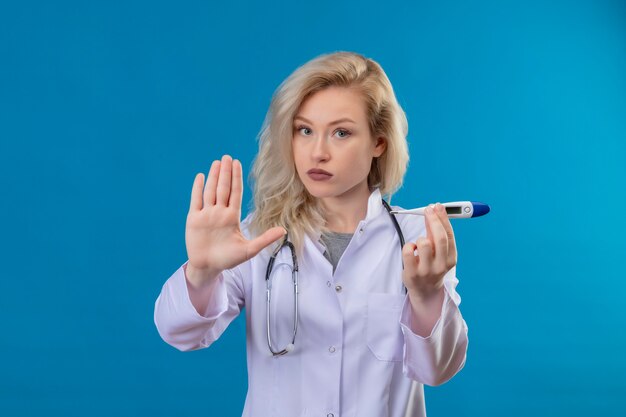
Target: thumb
270, 236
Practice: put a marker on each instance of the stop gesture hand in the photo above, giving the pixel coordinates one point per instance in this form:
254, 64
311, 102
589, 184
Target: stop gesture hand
212, 235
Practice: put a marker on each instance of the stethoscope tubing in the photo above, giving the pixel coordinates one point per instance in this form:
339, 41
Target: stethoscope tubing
294, 275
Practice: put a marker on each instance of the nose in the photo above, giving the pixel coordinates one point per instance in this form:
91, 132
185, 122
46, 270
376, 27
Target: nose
320, 151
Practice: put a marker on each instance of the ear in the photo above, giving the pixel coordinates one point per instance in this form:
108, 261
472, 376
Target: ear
381, 146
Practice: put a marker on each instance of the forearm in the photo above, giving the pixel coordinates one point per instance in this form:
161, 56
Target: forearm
435, 337
425, 310
435, 333
200, 286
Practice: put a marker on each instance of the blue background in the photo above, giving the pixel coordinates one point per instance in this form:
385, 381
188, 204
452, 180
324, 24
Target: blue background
108, 109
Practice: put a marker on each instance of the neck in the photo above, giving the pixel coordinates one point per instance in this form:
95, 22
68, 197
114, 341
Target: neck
344, 212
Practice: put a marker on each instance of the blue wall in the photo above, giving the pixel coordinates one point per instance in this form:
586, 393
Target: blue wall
108, 109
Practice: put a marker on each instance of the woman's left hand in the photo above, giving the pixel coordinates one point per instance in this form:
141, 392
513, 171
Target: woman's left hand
423, 274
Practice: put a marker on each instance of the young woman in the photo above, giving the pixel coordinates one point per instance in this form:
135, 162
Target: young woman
366, 319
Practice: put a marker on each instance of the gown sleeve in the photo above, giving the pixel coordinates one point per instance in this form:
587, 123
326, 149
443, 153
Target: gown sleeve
179, 323
435, 359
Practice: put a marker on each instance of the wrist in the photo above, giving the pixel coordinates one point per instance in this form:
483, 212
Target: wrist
200, 277
426, 293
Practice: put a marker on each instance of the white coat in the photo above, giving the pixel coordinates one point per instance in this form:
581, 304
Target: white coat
355, 354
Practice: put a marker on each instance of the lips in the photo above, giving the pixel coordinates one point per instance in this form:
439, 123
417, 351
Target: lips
318, 171
317, 174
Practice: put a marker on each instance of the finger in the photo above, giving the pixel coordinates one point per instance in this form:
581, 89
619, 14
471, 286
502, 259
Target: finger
429, 233
223, 183
425, 253
438, 237
211, 184
270, 236
236, 189
445, 221
409, 258
196, 193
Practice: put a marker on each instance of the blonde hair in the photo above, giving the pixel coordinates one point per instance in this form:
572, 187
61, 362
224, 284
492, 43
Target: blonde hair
280, 198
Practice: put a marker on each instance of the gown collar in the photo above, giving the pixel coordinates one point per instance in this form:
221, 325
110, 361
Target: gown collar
374, 208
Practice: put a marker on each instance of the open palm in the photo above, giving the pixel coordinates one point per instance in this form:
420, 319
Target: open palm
213, 235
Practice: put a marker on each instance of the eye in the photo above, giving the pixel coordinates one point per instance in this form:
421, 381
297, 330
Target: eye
299, 128
345, 133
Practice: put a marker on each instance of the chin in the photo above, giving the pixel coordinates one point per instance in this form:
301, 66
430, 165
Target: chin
319, 193
321, 190
326, 190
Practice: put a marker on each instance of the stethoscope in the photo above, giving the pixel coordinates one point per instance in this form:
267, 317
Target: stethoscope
294, 277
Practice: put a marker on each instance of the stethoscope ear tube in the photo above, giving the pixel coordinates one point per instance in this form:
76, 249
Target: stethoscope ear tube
395, 224
399, 232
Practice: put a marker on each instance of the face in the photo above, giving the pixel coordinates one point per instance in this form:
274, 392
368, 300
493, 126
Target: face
332, 145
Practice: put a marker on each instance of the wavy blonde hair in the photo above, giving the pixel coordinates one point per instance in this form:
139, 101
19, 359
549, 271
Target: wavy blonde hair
280, 198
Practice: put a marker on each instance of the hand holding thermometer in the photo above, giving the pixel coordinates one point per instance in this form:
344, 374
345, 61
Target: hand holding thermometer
454, 210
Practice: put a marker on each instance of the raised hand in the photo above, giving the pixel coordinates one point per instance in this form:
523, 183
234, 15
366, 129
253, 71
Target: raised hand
212, 235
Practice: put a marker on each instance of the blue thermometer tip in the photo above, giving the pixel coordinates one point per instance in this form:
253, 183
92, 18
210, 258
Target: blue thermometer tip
480, 209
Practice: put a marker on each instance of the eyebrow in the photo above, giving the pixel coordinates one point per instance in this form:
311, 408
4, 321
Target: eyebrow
344, 119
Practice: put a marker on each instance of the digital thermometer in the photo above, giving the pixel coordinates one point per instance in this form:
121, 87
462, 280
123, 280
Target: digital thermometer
454, 210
